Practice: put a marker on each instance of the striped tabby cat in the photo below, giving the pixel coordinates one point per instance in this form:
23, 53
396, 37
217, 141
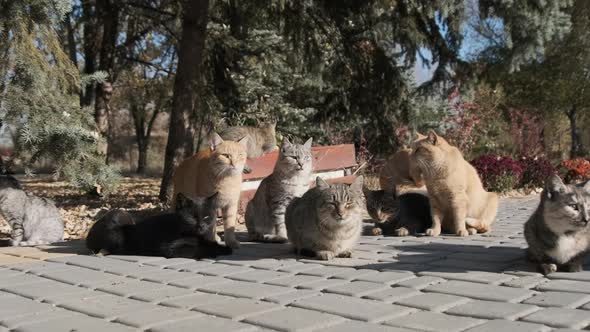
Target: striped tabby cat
265, 213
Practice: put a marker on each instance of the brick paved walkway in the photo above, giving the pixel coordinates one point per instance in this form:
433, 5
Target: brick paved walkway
480, 283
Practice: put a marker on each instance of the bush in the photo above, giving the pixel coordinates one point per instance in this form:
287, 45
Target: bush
574, 170
498, 174
535, 170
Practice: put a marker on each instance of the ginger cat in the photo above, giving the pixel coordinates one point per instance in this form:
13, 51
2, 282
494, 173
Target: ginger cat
454, 188
216, 169
400, 170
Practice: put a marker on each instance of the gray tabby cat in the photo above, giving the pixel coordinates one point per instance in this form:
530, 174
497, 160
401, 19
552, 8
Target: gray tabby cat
326, 222
33, 220
557, 233
265, 213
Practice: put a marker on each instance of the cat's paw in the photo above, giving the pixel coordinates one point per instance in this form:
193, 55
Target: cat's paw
462, 232
547, 268
471, 231
376, 231
15, 243
325, 255
345, 254
402, 231
432, 232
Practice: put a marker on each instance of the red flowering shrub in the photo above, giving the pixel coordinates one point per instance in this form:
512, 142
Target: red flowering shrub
575, 170
535, 170
498, 174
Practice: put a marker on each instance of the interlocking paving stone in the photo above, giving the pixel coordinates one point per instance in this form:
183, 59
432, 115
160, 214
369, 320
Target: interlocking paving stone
79, 323
326, 271
525, 282
565, 286
387, 277
288, 298
199, 281
559, 299
258, 276
222, 270
429, 321
236, 309
354, 326
432, 301
392, 294
129, 287
13, 306
294, 319
36, 316
204, 323
471, 276
193, 266
560, 317
357, 288
481, 291
37, 267
353, 308
44, 289
353, 275
81, 276
109, 306
191, 300
322, 284
580, 276
246, 289
295, 280
158, 315
161, 294
420, 282
493, 310
499, 325
21, 279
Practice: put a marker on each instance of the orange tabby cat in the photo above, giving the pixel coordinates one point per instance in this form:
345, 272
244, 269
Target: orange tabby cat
458, 200
398, 171
216, 169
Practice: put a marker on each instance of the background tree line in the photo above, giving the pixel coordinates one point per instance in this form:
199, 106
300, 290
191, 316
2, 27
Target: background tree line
70, 68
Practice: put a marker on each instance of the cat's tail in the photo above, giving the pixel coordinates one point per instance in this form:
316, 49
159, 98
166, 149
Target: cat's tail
487, 216
108, 233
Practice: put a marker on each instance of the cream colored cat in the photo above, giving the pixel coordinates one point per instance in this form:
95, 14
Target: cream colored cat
400, 171
216, 169
458, 200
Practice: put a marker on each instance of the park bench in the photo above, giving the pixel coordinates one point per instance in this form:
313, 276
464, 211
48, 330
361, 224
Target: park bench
334, 163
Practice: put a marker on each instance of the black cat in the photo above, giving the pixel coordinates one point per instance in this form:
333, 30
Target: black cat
184, 233
406, 214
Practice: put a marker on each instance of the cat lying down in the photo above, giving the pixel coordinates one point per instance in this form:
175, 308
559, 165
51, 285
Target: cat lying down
184, 233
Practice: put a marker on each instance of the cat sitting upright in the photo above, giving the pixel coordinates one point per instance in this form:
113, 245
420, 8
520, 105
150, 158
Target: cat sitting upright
326, 222
459, 203
34, 220
184, 233
558, 233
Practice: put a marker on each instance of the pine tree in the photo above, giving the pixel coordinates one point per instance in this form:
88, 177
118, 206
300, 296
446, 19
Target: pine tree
39, 95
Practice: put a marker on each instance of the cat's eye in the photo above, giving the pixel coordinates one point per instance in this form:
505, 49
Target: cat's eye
225, 156
574, 207
349, 204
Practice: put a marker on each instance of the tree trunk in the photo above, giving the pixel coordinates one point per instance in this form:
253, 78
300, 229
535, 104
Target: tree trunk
142, 149
109, 13
91, 42
71, 40
181, 132
576, 146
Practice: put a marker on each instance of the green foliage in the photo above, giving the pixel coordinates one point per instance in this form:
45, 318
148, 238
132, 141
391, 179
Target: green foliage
39, 93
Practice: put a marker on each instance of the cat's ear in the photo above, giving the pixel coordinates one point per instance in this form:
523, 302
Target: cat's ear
214, 141
285, 141
586, 186
419, 136
432, 137
357, 185
307, 144
320, 183
244, 141
554, 186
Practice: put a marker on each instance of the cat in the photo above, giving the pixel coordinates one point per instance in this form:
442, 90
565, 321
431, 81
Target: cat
183, 233
558, 234
459, 204
34, 220
262, 140
399, 170
403, 215
265, 213
326, 222
216, 169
